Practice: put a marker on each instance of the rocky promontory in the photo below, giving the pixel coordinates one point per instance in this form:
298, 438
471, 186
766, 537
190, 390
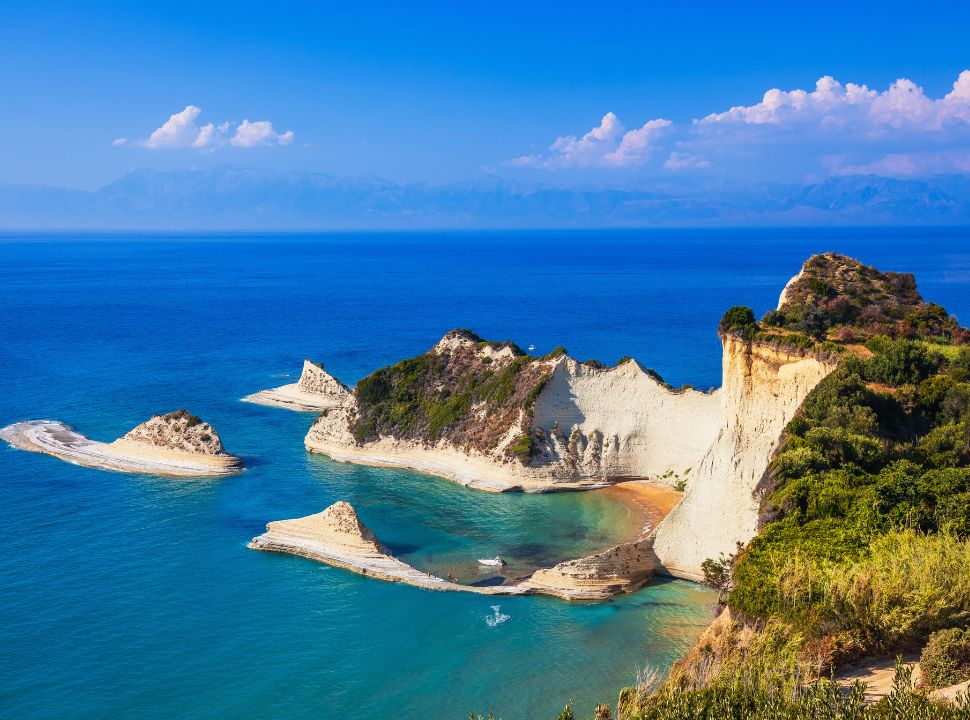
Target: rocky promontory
316, 390
337, 537
491, 417
176, 443
488, 416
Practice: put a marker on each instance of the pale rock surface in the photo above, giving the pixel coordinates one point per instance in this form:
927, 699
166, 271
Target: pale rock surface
175, 444
316, 390
783, 297
620, 422
337, 537
762, 389
179, 431
591, 426
620, 569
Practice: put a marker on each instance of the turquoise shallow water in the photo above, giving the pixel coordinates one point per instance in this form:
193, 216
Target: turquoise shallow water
135, 596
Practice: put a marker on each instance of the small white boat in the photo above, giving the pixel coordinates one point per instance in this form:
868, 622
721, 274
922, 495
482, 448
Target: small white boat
532, 347
495, 561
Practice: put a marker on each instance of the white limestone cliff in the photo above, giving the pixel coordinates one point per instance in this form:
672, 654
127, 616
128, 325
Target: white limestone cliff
591, 426
762, 388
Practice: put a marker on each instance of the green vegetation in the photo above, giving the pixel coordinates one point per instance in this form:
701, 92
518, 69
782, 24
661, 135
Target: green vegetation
865, 539
462, 395
738, 320
757, 693
879, 446
945, 660
842, 299
522, 448
183, 414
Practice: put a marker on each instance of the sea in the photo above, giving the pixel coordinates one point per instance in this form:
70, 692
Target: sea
135, 596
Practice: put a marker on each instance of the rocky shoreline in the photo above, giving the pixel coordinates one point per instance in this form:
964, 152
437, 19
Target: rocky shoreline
338, 538
173, 444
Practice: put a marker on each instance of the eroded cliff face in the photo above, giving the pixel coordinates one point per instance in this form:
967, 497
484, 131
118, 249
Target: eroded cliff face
619, 422
762, 389
314, 380
521, 423
178, 431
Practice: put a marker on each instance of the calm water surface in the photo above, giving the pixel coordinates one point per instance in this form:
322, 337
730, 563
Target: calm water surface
135, 596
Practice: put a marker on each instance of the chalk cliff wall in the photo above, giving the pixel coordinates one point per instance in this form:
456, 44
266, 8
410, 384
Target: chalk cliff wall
314, 380
762, 388
620, 422
587, 426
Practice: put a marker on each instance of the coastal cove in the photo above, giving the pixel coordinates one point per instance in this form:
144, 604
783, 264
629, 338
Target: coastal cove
147, 581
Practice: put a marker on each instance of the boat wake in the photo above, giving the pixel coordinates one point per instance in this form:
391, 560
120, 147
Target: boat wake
497, 618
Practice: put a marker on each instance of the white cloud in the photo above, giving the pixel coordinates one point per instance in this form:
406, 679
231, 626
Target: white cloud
118, 142
637, 145
254, 134
182, 131
834, 128
179, 130
685, 161
606, 144
904, 105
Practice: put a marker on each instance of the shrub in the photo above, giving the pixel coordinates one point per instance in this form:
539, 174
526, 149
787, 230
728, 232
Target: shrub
898, 362
738, 320
522, 448
960, 365
757, 692
945, 660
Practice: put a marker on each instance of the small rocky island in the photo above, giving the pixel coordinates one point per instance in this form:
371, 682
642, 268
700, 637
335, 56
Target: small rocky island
337, 537
177, 443
316, 390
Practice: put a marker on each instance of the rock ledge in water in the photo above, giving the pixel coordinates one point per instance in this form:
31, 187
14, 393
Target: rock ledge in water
315, 391
177, 443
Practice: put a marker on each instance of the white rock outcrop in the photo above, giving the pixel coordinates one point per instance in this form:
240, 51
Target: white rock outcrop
762, 388
177, 444
620, 422
337, 537
316, 390
591, 426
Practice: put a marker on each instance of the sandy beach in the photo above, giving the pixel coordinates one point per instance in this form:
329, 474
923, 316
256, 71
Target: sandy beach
647, 504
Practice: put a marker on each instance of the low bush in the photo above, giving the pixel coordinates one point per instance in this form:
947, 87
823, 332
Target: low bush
738, 320
522, 448
945, 660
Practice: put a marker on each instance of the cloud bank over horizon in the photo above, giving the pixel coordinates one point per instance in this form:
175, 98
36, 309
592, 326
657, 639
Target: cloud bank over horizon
834, 129
182, 131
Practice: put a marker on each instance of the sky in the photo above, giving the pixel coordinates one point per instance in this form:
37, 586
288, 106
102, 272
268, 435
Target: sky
587, 93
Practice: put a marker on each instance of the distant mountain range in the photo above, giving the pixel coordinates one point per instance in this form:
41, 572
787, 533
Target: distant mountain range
239, 198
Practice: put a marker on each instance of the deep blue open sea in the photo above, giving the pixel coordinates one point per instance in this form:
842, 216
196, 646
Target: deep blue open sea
135, 596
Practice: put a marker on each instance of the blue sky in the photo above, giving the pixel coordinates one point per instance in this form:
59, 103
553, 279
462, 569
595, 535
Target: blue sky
438, 92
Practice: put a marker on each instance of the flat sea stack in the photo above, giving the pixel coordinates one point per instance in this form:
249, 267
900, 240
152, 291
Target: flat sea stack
315, 391
176, 443
337, 537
